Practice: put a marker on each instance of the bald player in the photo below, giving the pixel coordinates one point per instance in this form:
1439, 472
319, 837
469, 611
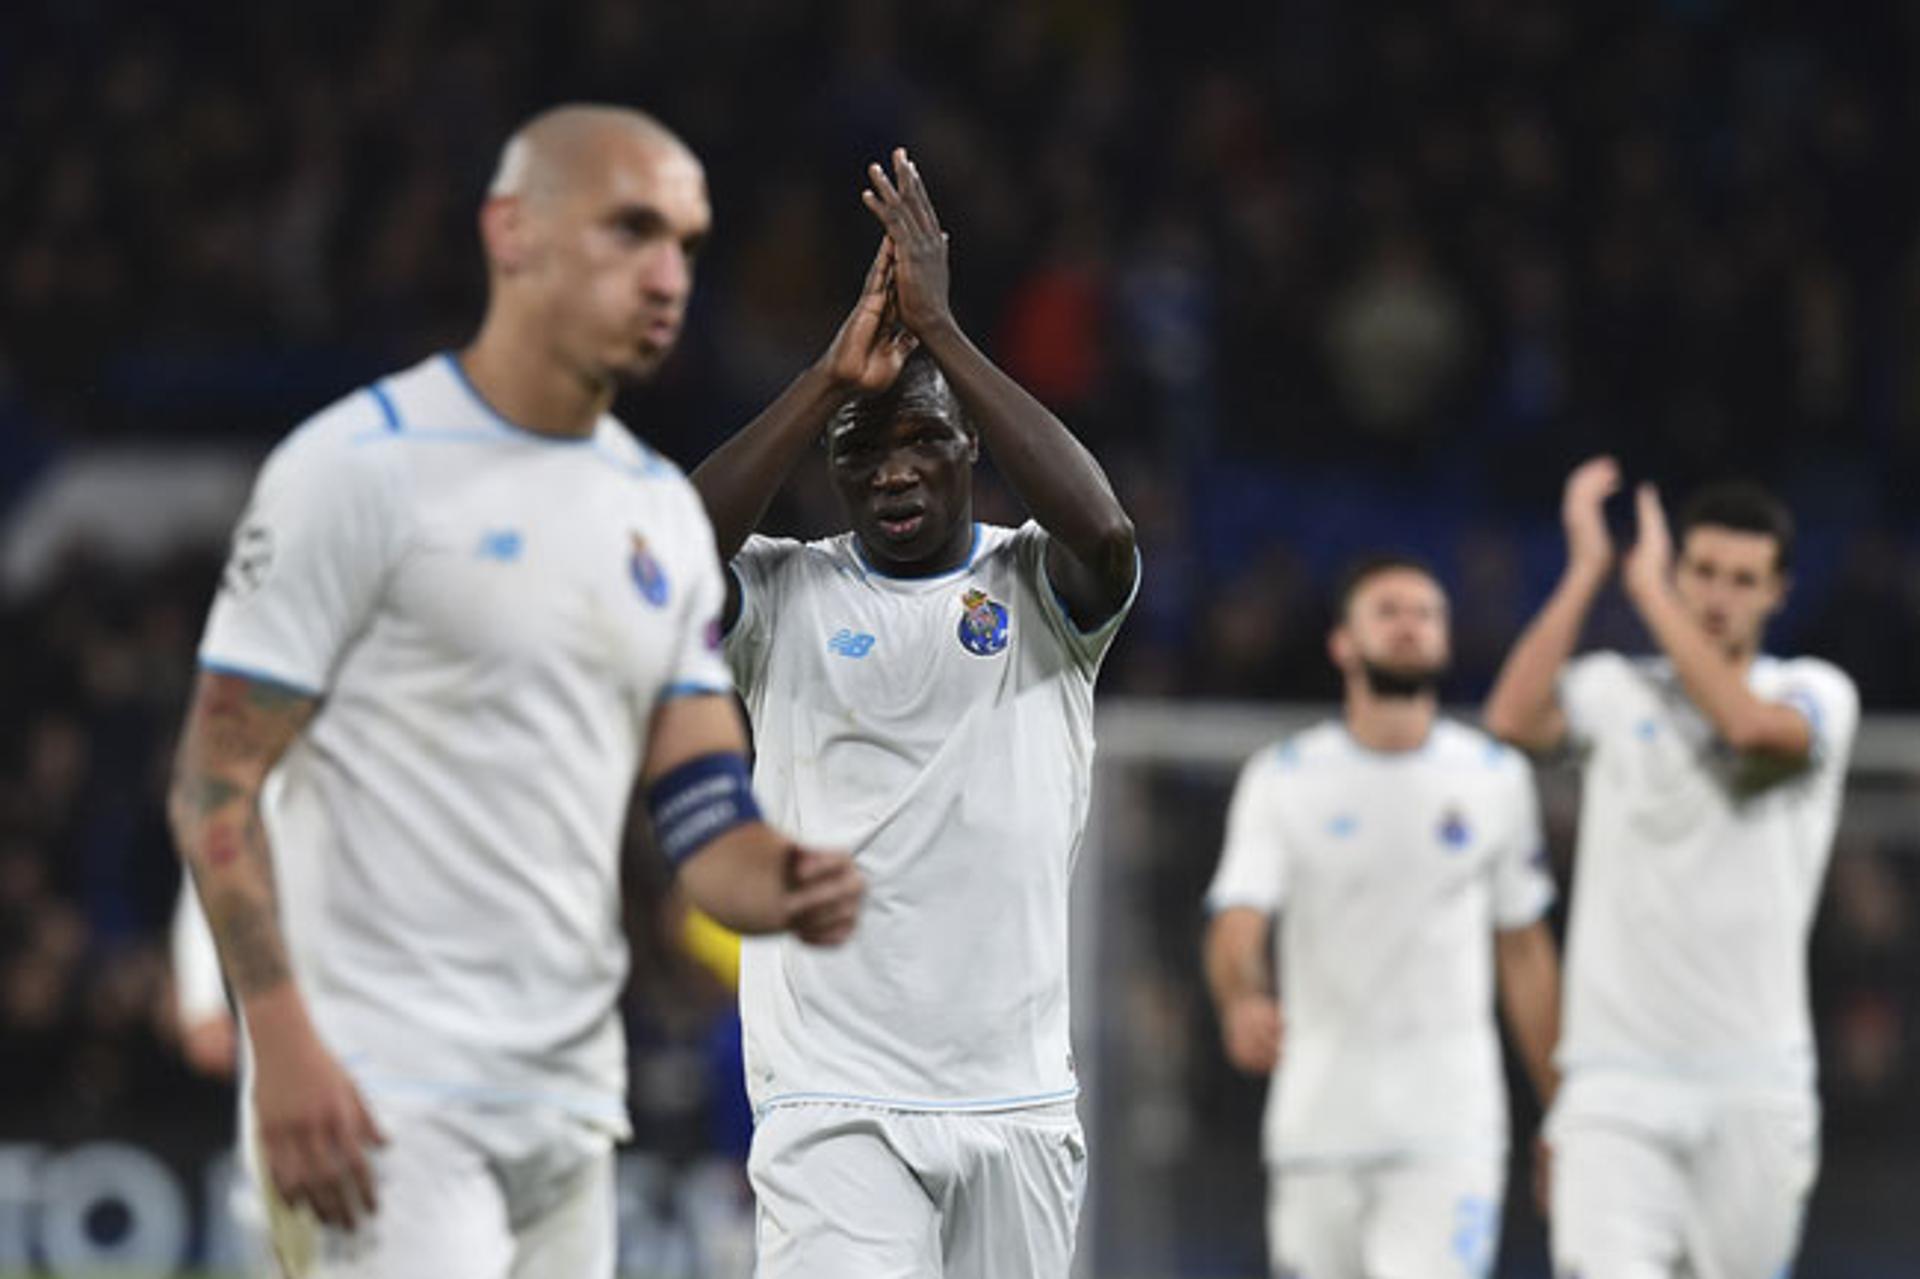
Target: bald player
464, 610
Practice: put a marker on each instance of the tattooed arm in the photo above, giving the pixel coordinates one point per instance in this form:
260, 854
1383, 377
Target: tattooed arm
313, 1125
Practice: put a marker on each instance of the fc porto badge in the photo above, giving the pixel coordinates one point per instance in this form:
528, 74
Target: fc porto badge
648, 576
983, 624
1454, 832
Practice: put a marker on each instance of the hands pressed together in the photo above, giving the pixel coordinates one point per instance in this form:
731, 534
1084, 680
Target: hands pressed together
1649, 562
905, 296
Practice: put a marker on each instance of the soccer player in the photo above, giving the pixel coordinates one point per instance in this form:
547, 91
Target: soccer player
1685, 1138
1403, 855
465, 608
921, 691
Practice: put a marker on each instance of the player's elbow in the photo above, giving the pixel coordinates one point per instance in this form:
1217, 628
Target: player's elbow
1113, 547
1783, 738
1510, 724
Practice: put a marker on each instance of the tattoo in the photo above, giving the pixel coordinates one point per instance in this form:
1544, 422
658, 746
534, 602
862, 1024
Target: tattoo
221, 848
204, 795
251, 948
236, 731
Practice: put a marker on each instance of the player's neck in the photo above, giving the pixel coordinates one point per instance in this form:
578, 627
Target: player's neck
521, 383
1389, 724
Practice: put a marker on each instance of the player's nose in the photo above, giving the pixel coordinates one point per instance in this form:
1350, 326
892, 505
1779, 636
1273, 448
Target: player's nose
667, 276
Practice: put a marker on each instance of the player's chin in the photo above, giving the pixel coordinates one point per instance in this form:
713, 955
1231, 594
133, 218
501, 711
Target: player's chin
903, 541
641, 361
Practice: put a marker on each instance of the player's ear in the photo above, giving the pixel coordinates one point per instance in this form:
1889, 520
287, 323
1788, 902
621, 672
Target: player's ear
1340, 646
503, 230
1782, 584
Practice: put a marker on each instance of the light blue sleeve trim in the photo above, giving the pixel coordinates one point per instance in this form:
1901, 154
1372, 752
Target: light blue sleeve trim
1105, 624
258, 676
388, 409
694, 688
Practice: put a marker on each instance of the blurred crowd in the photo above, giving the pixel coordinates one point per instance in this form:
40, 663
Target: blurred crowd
1311, 277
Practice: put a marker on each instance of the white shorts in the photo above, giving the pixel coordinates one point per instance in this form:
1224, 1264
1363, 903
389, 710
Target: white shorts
466, 1193
1650, 1181
851, 1192
1417, 1217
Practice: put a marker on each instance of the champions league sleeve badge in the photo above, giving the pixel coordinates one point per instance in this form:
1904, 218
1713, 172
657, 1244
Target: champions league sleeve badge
648, 576
983, 626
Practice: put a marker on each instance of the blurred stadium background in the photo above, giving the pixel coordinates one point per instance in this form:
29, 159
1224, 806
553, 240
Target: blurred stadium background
1311, 277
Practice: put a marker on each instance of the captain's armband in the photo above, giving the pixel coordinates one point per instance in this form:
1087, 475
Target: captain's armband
699, 801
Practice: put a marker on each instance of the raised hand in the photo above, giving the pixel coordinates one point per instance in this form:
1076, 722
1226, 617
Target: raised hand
920, 277
1583, 512
1649, 563
865, 356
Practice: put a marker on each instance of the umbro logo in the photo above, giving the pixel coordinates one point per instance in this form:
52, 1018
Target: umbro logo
851, 643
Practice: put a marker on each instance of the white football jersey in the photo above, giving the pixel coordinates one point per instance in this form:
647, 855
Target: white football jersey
490, 617
1390, 872
1696, 875
940, 729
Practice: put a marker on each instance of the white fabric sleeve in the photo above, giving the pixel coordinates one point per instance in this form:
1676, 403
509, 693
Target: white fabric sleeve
1831, 704
1253, 864
308, 562
698, 667
760, 568
1588, 689
1087, 647
1523, 888
196, 963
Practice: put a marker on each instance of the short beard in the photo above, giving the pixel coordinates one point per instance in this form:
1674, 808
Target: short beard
1387, 682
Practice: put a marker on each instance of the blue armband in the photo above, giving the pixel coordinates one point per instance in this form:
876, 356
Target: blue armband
698, 802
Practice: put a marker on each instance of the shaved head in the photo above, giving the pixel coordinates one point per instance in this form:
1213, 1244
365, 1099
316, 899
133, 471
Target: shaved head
555, 150
591, 228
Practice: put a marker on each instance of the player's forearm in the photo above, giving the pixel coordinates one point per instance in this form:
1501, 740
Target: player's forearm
237, 729
1522, 708
1530, 998
741, 880
740, 478
217, 829
1715, 685
1052, 473
1236, 957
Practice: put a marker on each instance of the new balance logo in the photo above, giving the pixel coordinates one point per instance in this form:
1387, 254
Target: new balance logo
849, 644
501, 544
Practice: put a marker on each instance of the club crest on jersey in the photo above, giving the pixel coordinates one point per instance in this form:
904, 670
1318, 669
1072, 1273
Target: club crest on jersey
983, 626
648, 576
1454, 832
